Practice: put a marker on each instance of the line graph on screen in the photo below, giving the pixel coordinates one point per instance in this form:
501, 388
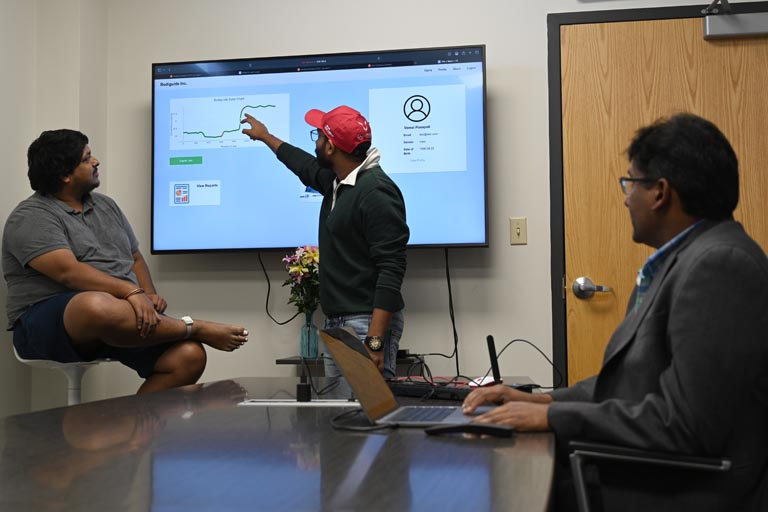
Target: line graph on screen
213, 122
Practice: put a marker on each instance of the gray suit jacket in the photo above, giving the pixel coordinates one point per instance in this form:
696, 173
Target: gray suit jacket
688, 371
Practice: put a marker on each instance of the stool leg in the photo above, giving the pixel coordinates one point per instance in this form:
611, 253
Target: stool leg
74, 383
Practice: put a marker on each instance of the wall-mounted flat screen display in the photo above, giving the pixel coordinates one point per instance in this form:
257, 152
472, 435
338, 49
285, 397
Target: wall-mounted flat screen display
214, 189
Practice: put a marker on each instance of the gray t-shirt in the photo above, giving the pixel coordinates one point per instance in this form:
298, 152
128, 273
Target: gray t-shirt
100, 236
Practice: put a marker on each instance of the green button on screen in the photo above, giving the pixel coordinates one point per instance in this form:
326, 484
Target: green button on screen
186, 160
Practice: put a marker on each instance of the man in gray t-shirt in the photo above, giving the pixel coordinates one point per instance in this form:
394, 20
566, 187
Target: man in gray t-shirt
78, 286
42, 223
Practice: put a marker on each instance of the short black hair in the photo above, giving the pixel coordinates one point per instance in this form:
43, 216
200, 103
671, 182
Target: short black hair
361, 151
52, 156
697, 160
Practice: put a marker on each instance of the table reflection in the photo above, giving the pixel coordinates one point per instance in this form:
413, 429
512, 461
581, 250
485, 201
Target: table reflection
93, 456
195, 449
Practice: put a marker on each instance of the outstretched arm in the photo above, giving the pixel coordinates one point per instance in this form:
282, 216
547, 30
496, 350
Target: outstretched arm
258, 131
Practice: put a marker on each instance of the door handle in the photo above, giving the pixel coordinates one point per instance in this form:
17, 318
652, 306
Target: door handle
584, 288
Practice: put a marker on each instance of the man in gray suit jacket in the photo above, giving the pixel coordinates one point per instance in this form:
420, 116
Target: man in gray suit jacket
687, 369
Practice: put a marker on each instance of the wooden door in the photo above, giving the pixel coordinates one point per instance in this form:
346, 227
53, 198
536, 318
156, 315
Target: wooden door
616, 77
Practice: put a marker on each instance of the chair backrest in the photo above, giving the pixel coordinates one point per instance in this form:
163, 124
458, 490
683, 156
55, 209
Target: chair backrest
582, 453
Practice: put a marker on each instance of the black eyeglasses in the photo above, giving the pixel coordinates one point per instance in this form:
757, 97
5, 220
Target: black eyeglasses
626, 179
314, 134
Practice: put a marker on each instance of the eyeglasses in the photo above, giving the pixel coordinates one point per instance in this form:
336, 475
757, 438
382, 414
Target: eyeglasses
314, 134
626, 179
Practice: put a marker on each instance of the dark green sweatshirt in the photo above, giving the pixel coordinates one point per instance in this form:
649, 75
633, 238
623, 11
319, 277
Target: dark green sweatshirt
362, 240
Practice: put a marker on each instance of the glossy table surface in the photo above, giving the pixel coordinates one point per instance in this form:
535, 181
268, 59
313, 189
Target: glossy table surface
195, 448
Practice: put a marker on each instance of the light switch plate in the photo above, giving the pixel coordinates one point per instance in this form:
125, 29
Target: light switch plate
518, 231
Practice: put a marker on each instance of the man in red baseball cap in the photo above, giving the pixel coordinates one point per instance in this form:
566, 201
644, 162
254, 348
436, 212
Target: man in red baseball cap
343, 126
362, 232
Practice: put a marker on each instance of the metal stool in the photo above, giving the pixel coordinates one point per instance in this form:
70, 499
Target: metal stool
73, 371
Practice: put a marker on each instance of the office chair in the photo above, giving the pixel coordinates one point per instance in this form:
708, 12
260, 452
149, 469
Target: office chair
73, 371
582, 453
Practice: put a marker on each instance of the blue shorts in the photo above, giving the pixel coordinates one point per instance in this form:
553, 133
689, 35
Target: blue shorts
39, 334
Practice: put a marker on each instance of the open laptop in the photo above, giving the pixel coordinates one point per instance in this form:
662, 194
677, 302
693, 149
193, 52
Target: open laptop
370, 388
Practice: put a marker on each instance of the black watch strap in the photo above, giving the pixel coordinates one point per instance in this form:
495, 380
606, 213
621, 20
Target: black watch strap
374, 343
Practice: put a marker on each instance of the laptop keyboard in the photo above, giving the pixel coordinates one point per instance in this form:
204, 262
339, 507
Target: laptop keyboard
416, 413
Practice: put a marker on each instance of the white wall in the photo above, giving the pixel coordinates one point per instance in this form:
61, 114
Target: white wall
93, 73
17, 129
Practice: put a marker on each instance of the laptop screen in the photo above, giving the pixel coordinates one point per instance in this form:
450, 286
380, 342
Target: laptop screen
361, 373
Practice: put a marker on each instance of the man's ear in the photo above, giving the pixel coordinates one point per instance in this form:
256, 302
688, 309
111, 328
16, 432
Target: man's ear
663, 194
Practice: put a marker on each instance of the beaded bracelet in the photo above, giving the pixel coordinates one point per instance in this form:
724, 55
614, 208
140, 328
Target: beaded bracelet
134, 292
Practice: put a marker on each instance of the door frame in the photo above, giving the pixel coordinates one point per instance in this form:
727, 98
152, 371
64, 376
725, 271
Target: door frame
556, 210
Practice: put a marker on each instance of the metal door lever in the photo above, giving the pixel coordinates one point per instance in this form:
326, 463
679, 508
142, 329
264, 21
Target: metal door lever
584, 288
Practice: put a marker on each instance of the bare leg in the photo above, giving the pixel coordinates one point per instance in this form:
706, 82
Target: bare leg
96, 318
180, 365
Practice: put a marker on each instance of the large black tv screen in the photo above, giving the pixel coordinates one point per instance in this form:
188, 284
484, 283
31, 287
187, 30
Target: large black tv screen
213, 189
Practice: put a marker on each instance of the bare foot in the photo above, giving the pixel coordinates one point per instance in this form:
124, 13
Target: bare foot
219, 336
224, 393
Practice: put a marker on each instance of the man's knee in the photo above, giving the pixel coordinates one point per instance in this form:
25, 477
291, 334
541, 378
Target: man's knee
193, 354
187, 356
94, 308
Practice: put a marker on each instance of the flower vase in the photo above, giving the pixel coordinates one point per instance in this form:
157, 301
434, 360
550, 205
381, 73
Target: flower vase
309, 335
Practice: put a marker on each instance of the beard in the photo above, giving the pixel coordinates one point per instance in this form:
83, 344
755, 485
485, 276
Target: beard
323, 160
93, 185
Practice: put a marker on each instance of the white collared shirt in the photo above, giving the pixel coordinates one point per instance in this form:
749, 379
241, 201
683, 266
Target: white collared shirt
371, 159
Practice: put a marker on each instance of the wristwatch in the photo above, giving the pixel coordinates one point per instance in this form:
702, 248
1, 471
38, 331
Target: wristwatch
374, 343
188, 322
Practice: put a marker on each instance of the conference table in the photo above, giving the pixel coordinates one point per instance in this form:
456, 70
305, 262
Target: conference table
246, 444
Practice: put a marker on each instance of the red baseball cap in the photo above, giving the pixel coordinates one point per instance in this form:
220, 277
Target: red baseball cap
344, 126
